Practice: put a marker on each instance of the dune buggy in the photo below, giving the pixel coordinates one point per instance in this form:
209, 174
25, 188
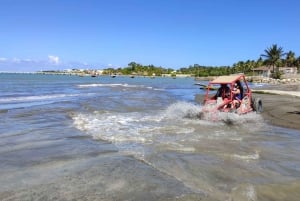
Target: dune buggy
228, 101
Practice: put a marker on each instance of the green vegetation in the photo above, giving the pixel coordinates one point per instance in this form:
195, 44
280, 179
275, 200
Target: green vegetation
134, 68
274, 58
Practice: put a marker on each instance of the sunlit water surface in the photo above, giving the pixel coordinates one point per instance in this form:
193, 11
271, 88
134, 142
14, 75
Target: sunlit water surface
103, 138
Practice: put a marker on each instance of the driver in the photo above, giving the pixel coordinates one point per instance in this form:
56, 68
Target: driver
223, 92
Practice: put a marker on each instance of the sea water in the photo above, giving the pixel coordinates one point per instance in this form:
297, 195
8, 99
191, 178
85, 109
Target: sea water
102, 138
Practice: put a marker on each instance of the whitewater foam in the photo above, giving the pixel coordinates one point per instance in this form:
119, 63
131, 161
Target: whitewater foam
124, 85
29, 101
102, 85
247, 157
176, 125
182, 109
35, 98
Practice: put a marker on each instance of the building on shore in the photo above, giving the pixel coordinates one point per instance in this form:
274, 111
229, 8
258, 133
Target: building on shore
265, 71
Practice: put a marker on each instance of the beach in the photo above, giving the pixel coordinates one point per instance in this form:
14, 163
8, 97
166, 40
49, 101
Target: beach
281, 104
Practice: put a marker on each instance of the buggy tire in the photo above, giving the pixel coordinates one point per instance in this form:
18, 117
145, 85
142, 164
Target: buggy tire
257, 105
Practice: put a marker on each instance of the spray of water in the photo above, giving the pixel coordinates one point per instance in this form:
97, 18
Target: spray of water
176, 137
173, 128
182, 110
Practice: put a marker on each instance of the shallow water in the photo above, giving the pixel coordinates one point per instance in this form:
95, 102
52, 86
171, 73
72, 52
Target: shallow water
84, 138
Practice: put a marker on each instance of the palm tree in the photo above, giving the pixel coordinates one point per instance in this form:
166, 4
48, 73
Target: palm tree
290, 59
273, 55
297, 63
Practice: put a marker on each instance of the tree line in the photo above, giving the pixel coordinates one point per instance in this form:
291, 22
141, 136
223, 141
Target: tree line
273, 57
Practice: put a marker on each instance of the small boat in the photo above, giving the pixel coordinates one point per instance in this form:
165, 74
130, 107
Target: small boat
204, 86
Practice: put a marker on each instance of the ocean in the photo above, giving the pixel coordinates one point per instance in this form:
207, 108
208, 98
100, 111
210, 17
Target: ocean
101, 138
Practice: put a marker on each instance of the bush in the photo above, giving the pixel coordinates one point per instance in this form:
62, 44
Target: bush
276, 75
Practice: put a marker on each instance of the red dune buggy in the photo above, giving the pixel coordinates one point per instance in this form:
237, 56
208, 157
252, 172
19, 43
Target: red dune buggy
233, 95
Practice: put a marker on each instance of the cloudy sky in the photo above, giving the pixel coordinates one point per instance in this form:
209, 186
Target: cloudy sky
61, 34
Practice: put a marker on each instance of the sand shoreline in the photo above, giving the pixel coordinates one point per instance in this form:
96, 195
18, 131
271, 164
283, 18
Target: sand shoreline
281, 104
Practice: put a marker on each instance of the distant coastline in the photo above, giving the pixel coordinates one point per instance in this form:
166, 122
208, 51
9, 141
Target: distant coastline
95, 73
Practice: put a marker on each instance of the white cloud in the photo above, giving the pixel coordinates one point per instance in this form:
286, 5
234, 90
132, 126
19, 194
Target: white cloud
49, 63
53, 59
16, 60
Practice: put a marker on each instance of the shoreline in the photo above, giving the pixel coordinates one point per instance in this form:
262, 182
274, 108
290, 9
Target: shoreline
282, 111
277, 92
281, 104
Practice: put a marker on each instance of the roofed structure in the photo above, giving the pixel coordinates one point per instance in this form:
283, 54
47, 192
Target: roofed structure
226, 79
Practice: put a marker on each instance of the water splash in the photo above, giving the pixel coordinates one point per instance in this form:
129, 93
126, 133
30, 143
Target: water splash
181, 110
177, 127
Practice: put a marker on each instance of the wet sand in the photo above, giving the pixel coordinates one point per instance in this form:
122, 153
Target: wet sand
281, 105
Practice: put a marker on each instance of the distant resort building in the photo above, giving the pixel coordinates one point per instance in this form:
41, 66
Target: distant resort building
288, 70
176, 75
265, 71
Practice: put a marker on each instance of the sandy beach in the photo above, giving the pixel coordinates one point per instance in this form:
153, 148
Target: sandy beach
281, 104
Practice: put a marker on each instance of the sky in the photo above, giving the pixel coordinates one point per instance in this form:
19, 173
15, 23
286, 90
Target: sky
96, 34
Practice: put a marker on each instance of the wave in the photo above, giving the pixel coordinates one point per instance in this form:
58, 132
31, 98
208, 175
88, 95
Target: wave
110, 85
156, 136
247, 157
29, 101
35, 98
23, 105
124, 85
177, 125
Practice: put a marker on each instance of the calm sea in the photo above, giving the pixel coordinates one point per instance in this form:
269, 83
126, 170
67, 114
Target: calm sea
102, 138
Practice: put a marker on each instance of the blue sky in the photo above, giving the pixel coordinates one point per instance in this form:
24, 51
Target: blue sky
61, 34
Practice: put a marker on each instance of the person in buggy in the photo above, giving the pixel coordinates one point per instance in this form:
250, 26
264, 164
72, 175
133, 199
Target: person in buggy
223, 91
230, 97
237, 94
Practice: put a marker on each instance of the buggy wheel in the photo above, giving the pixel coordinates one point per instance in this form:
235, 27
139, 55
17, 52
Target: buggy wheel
257, 105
